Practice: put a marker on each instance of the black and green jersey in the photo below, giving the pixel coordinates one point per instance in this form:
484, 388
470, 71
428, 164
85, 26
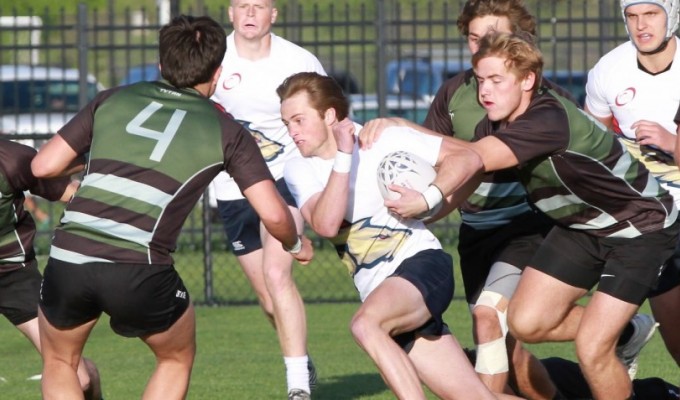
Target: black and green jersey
153, 149
579, 174
17, 228
455, 111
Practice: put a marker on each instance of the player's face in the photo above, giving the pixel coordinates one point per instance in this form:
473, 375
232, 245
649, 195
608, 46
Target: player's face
305, 126
501, 93
252, 19
480, 26
646, 25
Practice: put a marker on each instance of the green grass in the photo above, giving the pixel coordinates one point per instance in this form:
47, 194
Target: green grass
238, 357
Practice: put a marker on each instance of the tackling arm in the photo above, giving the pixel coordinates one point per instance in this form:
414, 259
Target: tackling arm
56, 158
277, 219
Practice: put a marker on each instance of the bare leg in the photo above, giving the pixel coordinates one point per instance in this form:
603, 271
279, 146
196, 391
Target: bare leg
288, 307
553, 318
444, 368
88, 375
175, 349
602, 323
394, 307
530, 376
61, 351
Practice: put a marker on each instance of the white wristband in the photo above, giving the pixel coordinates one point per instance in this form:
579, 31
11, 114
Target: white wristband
343, 162
433, 196
297, 247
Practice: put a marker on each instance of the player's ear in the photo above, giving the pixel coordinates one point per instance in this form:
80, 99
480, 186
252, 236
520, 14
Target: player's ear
275, 13
329, 116
528, 82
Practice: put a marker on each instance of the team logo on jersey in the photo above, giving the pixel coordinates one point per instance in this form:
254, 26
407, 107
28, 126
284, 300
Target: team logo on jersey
270, 149
231, 81
364, 245
625, 97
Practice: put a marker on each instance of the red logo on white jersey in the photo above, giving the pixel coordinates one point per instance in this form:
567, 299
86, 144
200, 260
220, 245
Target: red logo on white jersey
231, 81
625, 97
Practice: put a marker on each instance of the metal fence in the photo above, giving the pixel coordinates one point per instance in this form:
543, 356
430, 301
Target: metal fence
389, 55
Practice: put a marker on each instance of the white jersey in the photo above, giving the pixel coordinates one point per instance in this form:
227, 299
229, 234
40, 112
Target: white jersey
618, 88
371, 242
247, 90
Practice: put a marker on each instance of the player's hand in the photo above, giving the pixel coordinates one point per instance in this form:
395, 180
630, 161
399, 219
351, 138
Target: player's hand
343, 132
409, 205
373, 129
306, 253
650, 133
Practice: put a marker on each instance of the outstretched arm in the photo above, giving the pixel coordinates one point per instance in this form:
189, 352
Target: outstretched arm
56, 158
278, 220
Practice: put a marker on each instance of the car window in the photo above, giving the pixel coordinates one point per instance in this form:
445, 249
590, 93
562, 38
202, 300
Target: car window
41, 96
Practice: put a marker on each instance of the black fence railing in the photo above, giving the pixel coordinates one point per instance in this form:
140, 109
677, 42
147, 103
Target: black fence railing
389, 55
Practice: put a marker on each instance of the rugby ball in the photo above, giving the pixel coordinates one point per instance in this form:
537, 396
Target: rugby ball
408, 170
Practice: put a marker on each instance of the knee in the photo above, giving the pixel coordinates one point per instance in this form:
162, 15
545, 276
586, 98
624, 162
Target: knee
525, 327
362, 327
486, 324
590, 351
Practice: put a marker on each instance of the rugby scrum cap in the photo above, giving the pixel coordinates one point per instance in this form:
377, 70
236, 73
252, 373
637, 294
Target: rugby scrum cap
672, 8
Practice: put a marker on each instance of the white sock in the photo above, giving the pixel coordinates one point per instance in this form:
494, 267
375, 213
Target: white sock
297, 374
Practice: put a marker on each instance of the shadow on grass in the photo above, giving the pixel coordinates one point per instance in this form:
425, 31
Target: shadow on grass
350, 386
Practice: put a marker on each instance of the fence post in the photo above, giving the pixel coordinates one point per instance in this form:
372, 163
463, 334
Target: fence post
380, 56
81, 28
207, 250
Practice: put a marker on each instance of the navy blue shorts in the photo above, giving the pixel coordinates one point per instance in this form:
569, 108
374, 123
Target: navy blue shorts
20, 292
242, 224
431, 271
141, 299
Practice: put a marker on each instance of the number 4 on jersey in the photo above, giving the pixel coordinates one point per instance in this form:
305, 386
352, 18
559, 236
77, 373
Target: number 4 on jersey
163, 138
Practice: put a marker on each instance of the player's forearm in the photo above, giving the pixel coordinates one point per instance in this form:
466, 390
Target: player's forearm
459, 174
329, 210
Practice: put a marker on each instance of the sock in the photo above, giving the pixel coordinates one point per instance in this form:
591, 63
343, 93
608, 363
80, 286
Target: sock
627, 333
297, 374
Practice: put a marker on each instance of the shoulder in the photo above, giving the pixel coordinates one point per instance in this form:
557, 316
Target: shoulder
623, 55
281, 44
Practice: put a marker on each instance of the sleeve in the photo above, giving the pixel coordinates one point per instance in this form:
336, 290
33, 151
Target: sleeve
437, 118
301, 180
77, 132
542, 131
596, 99
242, 157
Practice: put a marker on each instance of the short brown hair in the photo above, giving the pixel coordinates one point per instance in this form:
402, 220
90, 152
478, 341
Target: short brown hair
323, 92
521, 54
191, 50
520, 18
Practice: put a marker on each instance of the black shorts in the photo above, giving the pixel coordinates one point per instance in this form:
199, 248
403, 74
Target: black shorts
19, 293
670, 277
242, 224
431, 271
514, 243
141, 299
625, 268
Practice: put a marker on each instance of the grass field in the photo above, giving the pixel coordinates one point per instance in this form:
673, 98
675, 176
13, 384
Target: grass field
238, 357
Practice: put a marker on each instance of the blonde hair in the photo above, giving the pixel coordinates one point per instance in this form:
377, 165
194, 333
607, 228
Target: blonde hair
521, 55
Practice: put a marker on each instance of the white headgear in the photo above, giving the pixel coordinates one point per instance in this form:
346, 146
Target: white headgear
671, 7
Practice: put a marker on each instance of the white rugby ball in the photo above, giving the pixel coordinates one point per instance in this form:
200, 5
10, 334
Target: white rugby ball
408, 170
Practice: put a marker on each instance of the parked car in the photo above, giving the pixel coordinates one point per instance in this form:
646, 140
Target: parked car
142, 72
39, 100
421, 77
